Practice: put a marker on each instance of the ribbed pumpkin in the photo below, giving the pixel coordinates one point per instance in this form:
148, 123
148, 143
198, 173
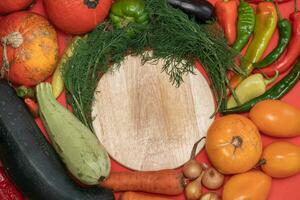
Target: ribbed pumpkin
29, 48
77, 16
8, 6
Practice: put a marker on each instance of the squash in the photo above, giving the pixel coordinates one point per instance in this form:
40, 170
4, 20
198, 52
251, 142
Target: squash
8, 6
77, 146
30, 160
29, 48
77, 16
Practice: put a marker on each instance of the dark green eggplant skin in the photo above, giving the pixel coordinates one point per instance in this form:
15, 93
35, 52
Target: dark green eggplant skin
30, 160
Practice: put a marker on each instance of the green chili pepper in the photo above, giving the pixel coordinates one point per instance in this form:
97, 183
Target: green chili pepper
285, 29
265, 25
250, 88
276, 92
124, 12
246, 23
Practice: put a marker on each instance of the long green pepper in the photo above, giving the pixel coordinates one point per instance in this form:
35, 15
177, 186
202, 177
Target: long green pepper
276, 92
285, 32
245, 25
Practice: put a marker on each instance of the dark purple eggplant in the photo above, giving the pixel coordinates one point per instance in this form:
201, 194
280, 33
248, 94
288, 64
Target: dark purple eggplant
201, 10
30, 160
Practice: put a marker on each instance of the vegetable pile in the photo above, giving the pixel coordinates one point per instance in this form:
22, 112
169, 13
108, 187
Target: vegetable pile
229, 39
170, 34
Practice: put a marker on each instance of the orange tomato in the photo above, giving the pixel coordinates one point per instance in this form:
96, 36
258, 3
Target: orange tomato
252, 185
282, 159
233, 144
276, 118
32, 48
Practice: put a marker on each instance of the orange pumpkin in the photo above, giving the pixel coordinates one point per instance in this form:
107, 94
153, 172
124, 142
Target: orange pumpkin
252, 185
8, 6
77, 16
233, 144
29, 48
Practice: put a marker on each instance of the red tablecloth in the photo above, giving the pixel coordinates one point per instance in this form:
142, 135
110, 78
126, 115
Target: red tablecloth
282, 189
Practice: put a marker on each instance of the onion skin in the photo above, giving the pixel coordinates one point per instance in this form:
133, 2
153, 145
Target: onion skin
192, 169
193, 190
212, 179
74, 16
210, 196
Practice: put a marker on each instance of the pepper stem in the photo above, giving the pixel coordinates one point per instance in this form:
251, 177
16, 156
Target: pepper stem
25, 92
296, 6
271, 80
277, 10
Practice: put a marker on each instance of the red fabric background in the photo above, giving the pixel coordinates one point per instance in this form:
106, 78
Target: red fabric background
282, 189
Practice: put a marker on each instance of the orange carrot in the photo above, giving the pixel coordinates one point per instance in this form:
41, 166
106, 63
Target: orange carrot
140, 196
167, 181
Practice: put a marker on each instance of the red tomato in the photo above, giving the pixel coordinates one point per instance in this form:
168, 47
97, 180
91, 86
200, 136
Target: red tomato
8, 6
77, 16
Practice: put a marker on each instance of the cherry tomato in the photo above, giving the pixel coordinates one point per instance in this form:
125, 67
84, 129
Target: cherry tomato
276, 118
252, 185
282, 159
233, 144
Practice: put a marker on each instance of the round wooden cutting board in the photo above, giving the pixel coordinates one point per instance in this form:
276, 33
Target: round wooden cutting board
145, 122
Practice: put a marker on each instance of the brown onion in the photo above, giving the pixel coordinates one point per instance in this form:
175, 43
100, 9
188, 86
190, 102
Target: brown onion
192, 169
210, 196
212, 179
193, 190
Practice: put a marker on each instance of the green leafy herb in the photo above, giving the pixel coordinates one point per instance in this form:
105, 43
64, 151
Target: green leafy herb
171, 35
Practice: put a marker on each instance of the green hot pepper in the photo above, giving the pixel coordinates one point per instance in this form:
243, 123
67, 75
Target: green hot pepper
124, 12
245, 25
285, 31
276, 92
266, 22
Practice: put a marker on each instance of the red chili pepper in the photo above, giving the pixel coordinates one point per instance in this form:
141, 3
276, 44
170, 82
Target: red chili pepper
226, 11
287, 59
32, 106
7, 190
258, 1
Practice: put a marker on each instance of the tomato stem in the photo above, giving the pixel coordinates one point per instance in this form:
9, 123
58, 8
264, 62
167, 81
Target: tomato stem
260, 163
237, 141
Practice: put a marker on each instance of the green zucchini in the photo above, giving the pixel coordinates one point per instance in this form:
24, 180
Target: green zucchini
77, 146
30, 160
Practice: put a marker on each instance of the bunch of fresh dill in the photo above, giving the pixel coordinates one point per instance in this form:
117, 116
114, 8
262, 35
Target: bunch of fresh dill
172, 36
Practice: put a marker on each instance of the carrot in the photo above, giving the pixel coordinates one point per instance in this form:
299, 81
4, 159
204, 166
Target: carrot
140, 196
167, 181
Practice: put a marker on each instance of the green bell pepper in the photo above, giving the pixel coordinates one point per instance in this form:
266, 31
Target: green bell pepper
124, 12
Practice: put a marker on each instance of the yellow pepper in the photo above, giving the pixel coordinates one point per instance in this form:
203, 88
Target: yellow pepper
265, 26
250, 88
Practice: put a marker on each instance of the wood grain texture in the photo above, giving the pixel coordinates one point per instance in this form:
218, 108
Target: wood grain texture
144, 122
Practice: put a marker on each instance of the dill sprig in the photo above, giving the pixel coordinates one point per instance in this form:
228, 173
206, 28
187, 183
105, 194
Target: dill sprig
172, 36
